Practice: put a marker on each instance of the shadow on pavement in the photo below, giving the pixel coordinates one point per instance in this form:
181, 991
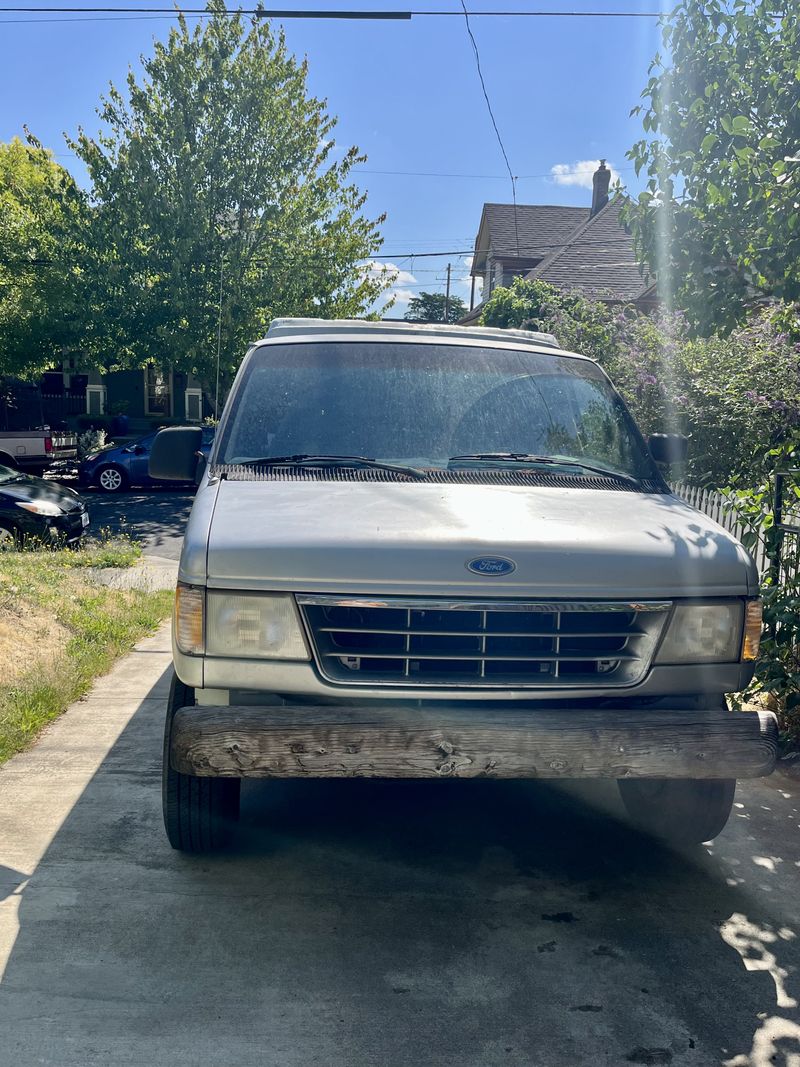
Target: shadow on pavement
156, 517
363, 923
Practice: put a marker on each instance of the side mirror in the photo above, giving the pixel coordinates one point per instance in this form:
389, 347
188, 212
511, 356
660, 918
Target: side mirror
668, 447
202, 463
174, 454
140, 450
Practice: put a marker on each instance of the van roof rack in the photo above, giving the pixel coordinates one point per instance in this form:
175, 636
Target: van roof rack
287, 327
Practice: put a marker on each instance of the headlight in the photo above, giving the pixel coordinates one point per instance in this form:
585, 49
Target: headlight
254, 626
704, 633
40, 507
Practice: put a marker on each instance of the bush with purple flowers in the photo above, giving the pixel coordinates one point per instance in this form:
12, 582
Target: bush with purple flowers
736, 397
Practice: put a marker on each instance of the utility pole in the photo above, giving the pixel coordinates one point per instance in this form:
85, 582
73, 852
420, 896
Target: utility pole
447, 297
219, 333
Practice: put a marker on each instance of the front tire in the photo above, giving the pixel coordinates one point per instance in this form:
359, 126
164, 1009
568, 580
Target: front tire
685, 811
10, 539
200, 814
112, 479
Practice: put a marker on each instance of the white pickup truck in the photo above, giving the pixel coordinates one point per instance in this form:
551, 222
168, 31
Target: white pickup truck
35, 451
431, 551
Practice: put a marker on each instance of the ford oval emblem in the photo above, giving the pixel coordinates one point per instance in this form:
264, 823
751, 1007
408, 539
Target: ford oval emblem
491, 565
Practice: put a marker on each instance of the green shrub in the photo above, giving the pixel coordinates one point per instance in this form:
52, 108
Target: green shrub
736, 396
777, 677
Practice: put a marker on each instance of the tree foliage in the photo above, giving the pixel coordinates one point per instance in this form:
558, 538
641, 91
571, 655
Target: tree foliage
736, 396
215, 175
719, 220
434, 307
42, 225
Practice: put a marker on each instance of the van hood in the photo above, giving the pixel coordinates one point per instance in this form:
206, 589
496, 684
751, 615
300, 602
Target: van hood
417, 538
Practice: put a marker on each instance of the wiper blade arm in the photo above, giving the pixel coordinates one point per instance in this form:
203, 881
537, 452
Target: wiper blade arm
602, 470
526, 457
307, 459
511, 457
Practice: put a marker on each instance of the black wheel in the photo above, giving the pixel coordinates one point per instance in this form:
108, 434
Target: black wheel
112, 479
199, 813
9, 538
683, 810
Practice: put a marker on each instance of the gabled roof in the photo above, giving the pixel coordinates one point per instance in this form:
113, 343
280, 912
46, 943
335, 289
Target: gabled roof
598, 260
540, 228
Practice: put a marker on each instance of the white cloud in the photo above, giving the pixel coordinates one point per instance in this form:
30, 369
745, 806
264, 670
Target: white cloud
579, 173
402, 297
391, 272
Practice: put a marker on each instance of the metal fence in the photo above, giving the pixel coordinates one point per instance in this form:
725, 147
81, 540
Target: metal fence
60, 405
785, 565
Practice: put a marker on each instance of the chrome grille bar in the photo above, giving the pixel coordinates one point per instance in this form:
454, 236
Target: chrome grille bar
465, 643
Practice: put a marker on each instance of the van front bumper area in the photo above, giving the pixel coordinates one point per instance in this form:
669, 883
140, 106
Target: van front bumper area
393, 741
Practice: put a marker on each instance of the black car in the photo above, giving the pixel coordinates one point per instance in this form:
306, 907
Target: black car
34, 510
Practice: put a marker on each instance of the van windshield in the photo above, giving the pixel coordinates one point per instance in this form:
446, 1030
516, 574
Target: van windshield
424, 404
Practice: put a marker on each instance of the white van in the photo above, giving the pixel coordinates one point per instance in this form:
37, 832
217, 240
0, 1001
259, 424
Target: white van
434, 551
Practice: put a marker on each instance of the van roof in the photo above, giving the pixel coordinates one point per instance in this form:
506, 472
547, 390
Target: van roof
293, 327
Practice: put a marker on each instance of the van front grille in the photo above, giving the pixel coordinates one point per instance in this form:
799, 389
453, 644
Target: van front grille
458, 643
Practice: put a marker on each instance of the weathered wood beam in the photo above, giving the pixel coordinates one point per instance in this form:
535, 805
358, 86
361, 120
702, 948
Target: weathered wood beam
370, 742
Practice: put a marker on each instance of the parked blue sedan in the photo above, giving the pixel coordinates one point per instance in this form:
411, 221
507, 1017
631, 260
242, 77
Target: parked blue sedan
118, 467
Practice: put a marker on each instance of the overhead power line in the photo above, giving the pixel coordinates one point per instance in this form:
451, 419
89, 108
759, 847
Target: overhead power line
382, 16
419, 173
477, 55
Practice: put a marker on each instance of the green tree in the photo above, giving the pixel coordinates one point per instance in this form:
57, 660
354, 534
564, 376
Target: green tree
719, 220
430, 307
580, 325
214, 176
42, 227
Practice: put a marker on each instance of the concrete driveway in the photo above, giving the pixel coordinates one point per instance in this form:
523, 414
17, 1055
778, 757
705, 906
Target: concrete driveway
367, 923
154, 517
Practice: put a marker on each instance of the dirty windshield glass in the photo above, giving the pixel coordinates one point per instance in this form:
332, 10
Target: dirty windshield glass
7, 474
425, 405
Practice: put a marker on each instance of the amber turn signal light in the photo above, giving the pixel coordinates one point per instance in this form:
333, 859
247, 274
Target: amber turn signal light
188, 620
752, 629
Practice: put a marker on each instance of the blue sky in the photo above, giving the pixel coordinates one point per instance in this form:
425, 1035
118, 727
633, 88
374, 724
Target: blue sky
407, 93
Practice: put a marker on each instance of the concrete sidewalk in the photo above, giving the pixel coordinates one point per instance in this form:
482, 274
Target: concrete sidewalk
378, 924
40, 787
149, 572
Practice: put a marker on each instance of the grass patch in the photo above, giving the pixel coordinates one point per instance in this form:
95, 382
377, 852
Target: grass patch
59, 630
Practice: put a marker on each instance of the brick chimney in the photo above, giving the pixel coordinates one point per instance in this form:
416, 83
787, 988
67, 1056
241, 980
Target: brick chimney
601, 179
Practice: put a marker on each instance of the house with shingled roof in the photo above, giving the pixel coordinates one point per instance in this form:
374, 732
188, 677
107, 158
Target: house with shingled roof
580, 250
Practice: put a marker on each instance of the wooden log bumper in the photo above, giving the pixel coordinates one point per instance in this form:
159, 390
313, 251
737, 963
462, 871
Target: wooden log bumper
348, 742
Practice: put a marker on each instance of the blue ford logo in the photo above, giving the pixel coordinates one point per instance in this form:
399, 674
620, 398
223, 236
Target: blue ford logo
491, 565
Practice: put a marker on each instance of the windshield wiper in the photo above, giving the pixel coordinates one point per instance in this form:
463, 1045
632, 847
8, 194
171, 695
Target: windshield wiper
510, 457
304, 459
527, 457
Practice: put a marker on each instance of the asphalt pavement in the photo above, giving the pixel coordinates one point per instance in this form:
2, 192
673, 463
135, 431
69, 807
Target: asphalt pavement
154, 517
363, 923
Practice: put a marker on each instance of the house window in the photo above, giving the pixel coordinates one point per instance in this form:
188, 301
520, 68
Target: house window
194, 405
95, 400
157, 391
